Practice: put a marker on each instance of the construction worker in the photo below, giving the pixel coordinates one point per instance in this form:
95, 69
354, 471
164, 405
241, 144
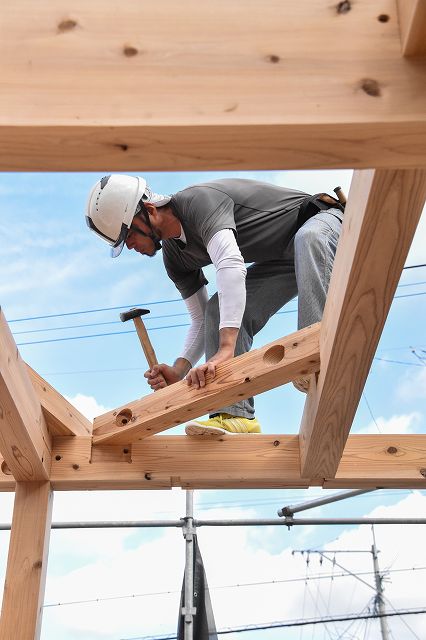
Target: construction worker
288, 237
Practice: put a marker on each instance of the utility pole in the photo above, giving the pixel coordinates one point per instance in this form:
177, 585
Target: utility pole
379, 602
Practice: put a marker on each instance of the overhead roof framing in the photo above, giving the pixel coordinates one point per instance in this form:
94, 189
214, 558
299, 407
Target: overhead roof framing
194, 85
338, 85
224, 85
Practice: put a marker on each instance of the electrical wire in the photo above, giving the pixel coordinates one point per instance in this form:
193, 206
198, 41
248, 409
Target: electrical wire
161, 317
371, 413
408, 364
141, 304
296, 623
97, 335
402, 619
76, 313
228, 586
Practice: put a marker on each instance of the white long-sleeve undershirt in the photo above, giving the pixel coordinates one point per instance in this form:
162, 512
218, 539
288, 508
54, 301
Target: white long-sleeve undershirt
230, 281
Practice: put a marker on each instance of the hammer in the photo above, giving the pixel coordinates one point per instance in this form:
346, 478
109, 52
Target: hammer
135, 315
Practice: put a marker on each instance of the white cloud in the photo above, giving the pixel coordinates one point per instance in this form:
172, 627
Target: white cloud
88, 405
413, 385
155, 565
416, 254
394, 425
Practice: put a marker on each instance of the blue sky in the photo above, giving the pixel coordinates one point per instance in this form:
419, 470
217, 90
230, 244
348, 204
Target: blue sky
51, 265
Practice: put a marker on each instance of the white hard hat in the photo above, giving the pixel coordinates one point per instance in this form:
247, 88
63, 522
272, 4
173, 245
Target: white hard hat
112, 205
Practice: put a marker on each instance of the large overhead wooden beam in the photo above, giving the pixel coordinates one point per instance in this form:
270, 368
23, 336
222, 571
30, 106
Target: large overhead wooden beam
233, 462
412, 23
274, 87
380, 220
25, 442
27, 562
62, 418
249, 374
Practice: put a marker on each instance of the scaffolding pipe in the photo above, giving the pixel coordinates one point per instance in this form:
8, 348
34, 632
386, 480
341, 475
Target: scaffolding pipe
287, 522
292, 509
188, 531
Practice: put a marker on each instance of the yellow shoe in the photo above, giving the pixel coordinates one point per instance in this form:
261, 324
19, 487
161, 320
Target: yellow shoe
221, 424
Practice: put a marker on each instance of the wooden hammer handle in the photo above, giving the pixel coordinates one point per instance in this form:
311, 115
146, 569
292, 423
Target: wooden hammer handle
145, 342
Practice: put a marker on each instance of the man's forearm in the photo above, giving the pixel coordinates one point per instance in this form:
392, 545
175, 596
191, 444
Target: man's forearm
182, 366
227, 340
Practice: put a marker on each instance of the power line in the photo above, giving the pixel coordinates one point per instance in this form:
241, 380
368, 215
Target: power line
408, 364
141, 304
227, 586
173, 326
98, 335
297, 623
76, 313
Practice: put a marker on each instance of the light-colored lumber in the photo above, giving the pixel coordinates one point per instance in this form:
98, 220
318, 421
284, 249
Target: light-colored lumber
241, 461
392, 461
412, 24
62, 418
25, 442
27, 562
380, 220
252, 86
249, 374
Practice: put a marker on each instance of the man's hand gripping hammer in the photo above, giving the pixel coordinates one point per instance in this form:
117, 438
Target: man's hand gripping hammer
135, 315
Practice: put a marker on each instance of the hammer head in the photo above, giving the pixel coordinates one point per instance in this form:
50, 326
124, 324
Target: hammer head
133, 313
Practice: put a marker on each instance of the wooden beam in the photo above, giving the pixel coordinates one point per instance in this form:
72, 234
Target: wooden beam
380, 220
62, 418
249, 374
234, 462
239, 92
25, 441
412, 24
27, 562
393, 461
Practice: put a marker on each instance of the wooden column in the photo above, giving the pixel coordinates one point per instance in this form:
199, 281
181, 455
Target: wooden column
380, 221
27, 562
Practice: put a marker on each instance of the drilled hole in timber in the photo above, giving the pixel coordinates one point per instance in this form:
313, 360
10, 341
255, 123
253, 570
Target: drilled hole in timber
274, 355
5, 469
123, 417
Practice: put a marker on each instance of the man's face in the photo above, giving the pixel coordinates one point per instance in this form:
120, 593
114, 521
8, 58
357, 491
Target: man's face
140, 243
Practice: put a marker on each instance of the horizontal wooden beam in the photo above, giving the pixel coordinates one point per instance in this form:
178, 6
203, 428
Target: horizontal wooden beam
412, 24
249, 374
243, 97
62, 418
213, 147
25, 442
233, 462
380, 220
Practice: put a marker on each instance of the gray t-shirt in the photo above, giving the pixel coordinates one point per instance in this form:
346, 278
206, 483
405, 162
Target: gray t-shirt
263, 217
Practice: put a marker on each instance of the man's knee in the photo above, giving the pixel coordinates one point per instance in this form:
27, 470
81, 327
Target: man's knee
307, 236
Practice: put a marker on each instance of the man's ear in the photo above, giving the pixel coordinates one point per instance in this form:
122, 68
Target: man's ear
152, 211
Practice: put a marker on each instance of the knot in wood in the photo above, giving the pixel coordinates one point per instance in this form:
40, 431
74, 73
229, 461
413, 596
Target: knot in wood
66, 25
392, 450
343, 7
370, 87
129, 51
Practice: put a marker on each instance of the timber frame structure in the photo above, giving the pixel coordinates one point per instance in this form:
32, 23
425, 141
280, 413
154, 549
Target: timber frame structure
223, 85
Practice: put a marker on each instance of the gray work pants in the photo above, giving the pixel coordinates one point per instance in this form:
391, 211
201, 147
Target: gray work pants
304, 270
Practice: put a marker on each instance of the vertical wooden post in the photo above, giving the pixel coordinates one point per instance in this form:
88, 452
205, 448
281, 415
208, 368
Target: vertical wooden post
27, 562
